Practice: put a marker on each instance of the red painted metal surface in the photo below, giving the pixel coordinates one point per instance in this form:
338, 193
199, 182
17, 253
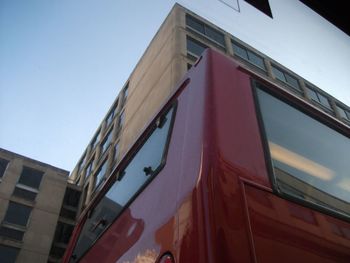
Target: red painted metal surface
212, 201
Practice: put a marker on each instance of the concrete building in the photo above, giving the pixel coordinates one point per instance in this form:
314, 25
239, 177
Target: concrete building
36, 208
174, 49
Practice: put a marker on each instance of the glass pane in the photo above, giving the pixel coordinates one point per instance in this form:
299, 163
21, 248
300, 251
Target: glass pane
22, 193
135, 175
195, 47
89, 169
195, 24
256, 60
324, 101
308, 157
3, 165
11, 233
343, 113
240, 51
101, 173
17, 214
215, 35
278, 74
107, 141
8, 254
292, 81
30, 177
312, 94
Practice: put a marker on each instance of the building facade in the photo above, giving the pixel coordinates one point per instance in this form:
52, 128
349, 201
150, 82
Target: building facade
37, 209
179, 42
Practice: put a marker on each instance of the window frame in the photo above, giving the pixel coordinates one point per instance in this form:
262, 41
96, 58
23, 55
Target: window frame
318, 102
205, 28
247, 50
285, 73
316, 114
117, 172
197, 42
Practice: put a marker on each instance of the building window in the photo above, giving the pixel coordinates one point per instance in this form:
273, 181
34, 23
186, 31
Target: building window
344, 114
262, 5
100, 174
3, 165
248, 55
63, 233
307, 156
286, 78
28, 183
30, 177
8, 254
107, 141
111, 114
95, 140
89, 169
205, 30
71, 197
194, 47
11, 232
318, 98
17, 214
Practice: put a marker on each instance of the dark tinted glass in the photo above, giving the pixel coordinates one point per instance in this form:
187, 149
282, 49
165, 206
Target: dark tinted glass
194, 47
312, 94
71, 197
292, 81
17, 214
30, 177
8, 254
101, 173
324, 101
240, 51
138, 172
3, 165
194, 24
310, 160
256, 60
23, 193
95, 140
107, 141
11, 233
215, 35
68, 213
278, 74
89, 169
63, 232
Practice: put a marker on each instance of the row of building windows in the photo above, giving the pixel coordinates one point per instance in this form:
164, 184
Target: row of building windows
195, 48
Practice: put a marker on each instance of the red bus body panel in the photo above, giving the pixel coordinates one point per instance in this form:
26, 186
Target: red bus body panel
213, 201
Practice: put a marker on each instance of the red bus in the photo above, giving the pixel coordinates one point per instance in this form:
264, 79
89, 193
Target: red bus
232, 169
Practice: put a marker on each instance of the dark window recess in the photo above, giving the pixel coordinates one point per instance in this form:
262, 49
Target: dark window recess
319, 98
24, 193
248, 55
68, 213
126, 92
17, 214
63, 233
344, 114
82, 162
107, 141
111, 114
31, 177
71, 197
189, 66
195, 48
89, 169
3, 165
8, 254
100, 174
286, 78
11, 233
206, 30
262, 5
121, 120
141, 169
57, 252
307, 156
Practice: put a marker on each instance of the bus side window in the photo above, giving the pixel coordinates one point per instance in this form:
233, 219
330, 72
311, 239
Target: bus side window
143, 167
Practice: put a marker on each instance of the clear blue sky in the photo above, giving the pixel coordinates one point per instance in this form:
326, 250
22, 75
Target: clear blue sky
62, 63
